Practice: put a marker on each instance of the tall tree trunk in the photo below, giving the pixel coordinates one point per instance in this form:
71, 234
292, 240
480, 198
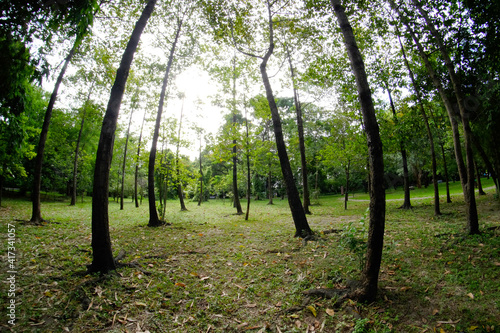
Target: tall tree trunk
77, 149
249, 179
406, 178
103, 260
302, 228
154, 220
375, 243
180, 193
300, 127
236, 194
36, 214
437, 211
136, 174
470, 200
124, 164
478, 176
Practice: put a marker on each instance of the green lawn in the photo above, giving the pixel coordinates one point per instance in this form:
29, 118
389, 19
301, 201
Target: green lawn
211, 271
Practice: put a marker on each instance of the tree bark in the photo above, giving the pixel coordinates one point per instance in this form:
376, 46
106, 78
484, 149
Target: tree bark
154, 220
103, 260
369, 285
36, 214
346, 194
470, 200
300, 128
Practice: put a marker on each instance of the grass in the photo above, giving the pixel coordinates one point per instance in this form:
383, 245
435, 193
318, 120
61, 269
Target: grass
211, 271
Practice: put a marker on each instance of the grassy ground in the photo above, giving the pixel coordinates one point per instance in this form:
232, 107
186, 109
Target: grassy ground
211, 271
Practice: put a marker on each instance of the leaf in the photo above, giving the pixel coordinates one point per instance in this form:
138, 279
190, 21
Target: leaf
470, 295
141, 304
472, 328
330, 312
312, 309
48, 293
180, 284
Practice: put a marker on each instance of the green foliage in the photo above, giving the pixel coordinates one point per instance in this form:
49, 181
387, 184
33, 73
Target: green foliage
354, 236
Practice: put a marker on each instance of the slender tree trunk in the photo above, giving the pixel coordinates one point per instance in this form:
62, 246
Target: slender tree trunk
445, 165
236, 193
124, 164
77, 149
136, 174
478, 175
406, 178
470, 200
300, 127
437, 210
302, 228
36, 214
180, 193
375, 243
249, 178
154, 220
103, 260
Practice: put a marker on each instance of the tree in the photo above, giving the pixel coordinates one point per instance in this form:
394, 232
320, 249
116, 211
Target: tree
368, 290
300, 128
302, 228
154, 220
84, 17
180, 192
103, 260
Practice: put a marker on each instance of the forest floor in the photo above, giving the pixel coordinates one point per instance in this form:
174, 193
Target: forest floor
212, 271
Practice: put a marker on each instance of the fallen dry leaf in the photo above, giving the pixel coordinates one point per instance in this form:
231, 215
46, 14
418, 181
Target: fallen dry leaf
180, 284
471, 295
330, 312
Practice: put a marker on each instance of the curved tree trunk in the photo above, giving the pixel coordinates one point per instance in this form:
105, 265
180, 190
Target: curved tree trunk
302, 228
103, 260
36, 214
375, 244
154, 220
